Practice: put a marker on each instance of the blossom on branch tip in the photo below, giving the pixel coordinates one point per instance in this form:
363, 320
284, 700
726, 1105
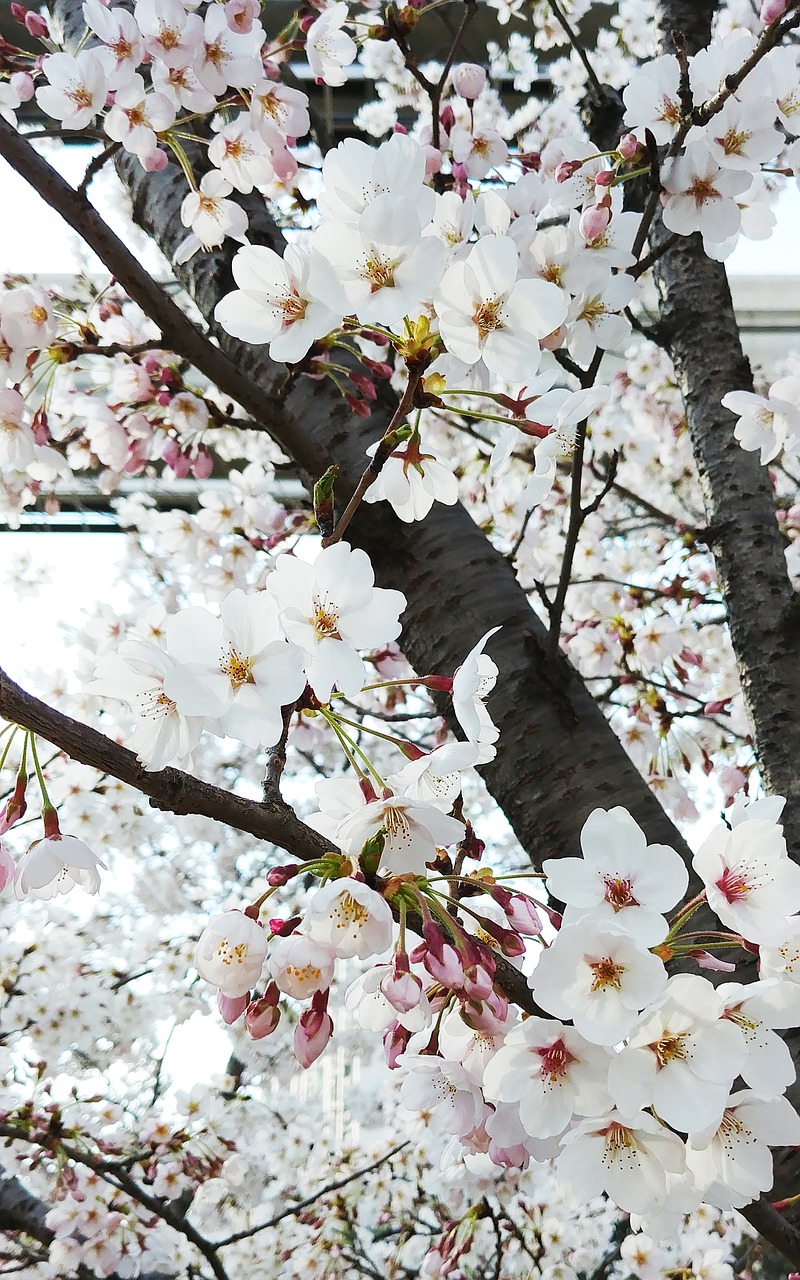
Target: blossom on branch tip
230, 953
54, 865
350, 917
412, 831
620, 880
274, 303
331, 609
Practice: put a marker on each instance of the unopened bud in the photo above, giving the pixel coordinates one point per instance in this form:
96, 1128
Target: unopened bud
629, 147
469, 80
771, 10
36, 26
594, 222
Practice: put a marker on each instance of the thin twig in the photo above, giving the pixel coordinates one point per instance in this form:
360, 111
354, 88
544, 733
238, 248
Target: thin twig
294, 1209
577, 516
574, 40
380, 456
95, 165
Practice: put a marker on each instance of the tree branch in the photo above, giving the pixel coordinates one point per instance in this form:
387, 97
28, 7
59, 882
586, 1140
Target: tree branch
168, 789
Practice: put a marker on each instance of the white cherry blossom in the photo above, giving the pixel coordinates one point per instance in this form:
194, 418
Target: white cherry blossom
329, 48
54, 865
436, 777
768, 423
135, 674
682, 1058
274, 303
486, 312
598, 977
349, 917
412, 831
211, 216
435, 1084
552, 1073
230, 952
411, 480
627, 1157
731, 1161
759, 1009
76, 88
472, 683
331, 609
620, 880
237, 670
301, 966
751, 883
700, 195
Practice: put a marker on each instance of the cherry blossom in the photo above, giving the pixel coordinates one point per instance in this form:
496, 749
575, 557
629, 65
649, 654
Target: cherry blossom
628, 1158
731, 1161
350, 917
682, 1058
236, 670
472, 682
411, 480
750, 881
230, 952
329, 48
136, 674
486, 312
300, 966
443, 1087
412, 831
769, 423
621, 879
273, 302
552, 1072
700, 195
76, 88
600, 978
54, 865
331, 609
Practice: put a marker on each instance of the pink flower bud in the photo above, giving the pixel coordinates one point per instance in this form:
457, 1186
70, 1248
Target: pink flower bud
395, 1041
365, 385
311, 1035
202, 465
277, 877
566, 170
401, 988
400, 128
359, 407
593, 222
36, 26
155, 161
378, 368
629, 146
469, 80
433, 161
232, 1007
705, 960
445, 967
262, 1016
771, 10
447, 118
604, 178
284, 164
22, 84
523, 916
18, 12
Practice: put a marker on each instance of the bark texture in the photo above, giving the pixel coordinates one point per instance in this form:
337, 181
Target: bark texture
702, 336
